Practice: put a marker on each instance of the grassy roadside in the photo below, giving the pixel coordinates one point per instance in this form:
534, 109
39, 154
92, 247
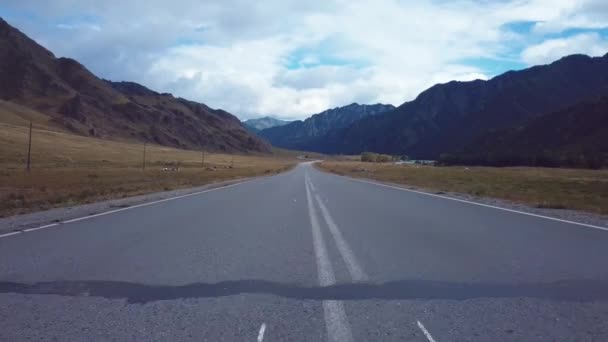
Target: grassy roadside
69, 169
577, 189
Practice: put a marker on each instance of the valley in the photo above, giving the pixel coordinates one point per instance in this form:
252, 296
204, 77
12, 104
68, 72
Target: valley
304, 171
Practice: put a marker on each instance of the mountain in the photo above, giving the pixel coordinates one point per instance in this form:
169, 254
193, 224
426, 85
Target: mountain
447, 117
308, 135
576, 136
82, 103
256, 125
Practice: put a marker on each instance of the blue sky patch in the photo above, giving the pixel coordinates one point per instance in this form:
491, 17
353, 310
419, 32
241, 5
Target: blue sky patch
10, 14
520, 27
492, 66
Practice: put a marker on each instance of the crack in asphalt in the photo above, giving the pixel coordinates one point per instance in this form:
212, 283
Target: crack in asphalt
565, 290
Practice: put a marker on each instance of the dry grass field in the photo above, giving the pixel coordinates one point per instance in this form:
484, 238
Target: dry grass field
68, 169
540, 187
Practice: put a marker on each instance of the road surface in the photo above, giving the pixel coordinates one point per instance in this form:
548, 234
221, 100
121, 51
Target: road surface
306, 256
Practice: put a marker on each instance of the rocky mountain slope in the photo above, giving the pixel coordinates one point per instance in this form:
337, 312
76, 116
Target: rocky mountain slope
256, 125
309, 134
576, 136
447, 117
76, 99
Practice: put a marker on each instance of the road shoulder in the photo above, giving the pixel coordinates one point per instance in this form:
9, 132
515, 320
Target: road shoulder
561, 214
19, 223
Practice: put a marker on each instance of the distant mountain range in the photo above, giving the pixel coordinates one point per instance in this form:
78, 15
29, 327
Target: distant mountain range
310, 134
523, 109
447, 117
256, 125
546, 115
75, 99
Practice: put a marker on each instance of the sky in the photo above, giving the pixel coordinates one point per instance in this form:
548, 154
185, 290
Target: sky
292, 58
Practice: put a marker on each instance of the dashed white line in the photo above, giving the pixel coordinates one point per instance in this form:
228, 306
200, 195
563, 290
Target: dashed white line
336, 322
479, 204
425, 332
121, 209
338, 329
355, 270
261, 333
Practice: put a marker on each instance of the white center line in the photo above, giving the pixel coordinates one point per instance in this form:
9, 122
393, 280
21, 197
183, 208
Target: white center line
261, 333
355, 270
336, 323
426, 332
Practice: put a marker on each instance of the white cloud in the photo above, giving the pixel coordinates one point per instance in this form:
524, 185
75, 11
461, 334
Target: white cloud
591, 44
319, 76
586, 14
240, 55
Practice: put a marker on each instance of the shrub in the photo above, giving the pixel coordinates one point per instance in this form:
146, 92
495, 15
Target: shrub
371, 157
368, 157
383, 158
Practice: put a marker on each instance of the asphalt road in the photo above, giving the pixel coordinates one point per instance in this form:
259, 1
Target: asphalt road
306, 256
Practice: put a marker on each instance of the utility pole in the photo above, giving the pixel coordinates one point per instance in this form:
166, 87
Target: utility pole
232, 162
29, 150
143, 166
202, 158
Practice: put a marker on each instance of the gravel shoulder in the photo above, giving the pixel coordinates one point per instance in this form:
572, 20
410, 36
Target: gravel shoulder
21, 222
563, 214
57, 215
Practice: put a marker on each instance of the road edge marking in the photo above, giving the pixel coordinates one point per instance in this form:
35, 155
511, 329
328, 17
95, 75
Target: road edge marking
123, 209
10, 234
474, 203
41, 227
425, 332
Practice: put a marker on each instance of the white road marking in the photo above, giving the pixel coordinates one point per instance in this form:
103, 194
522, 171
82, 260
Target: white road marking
336, 323
261, 333
338, 329
41, 227
9, 234
326, 273
350, 260
425, 332
312, 186
122, 209
479, 204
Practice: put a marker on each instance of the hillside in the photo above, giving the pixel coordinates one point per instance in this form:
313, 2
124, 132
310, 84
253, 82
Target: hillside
256, 125
69, 169
576, 136
80, 102
308, 135
447, 117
